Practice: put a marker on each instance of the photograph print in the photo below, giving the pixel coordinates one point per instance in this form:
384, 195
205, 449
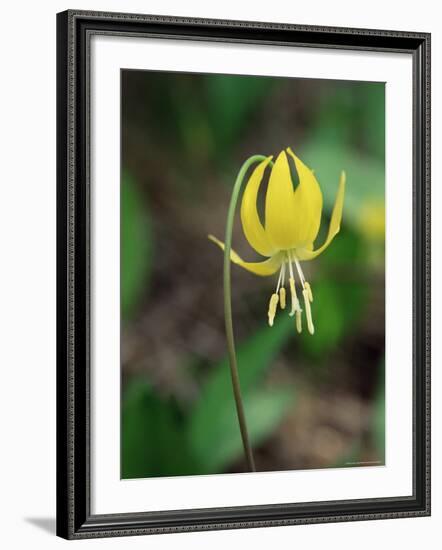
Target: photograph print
252, 268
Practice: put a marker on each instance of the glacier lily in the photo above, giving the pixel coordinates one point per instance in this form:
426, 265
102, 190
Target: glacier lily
291, 225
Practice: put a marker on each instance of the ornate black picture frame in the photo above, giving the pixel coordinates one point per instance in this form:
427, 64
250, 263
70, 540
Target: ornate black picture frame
74, 518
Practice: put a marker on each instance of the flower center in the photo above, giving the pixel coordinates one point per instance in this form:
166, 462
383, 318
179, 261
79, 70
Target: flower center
279, 296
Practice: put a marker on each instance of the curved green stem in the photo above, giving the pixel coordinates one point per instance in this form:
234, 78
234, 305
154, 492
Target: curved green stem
228, 310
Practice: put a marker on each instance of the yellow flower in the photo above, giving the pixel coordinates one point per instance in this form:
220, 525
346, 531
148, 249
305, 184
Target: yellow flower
292, 220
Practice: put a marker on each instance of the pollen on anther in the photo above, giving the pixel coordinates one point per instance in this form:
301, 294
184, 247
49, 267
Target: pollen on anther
308, 311
273, 304
282, 297
298, 320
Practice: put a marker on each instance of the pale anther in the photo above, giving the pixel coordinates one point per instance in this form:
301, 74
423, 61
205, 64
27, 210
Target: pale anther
308, 311
282, 297
273, 304
298, 319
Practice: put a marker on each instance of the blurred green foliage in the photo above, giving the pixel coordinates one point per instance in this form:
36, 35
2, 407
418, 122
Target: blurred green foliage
349, 133
231, 103
136, 245
330, 321
184, 133
204, 120
213, 427
354, 117
152, 440
160, 439
365, 176
341, 296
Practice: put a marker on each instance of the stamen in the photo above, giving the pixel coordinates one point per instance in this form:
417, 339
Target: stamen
282, 297
298, 319
280, 287
308, 311
295, 301
273, 304
301, 274
279, 281
309, 290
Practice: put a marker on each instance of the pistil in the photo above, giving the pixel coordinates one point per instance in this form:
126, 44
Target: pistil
308, 297
295, 302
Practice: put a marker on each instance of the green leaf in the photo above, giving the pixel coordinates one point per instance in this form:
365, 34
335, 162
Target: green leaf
216, 407
254, 358
233, 100
136, 245
216, 440
365, 176
152, 439
329, 320
347, 250
373, 112
354, 115
336, 310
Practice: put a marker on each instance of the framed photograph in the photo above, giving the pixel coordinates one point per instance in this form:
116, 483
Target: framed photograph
243, 274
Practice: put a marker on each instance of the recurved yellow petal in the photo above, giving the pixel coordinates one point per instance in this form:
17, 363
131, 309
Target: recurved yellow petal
281, 224
335, 224
267, 267
252, 226
308, 202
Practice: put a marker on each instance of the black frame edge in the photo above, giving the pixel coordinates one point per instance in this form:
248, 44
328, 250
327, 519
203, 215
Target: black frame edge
421, 266
62, 280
